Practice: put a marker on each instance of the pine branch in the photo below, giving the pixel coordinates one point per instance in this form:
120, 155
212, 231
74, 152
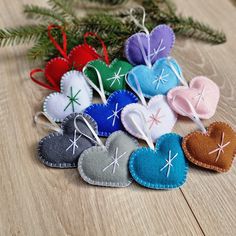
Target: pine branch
109, 2
64, 8
185, 26
21, 34
42, 13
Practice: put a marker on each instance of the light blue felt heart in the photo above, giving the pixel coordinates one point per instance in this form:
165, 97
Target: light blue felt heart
108, 115
163, 168
158, 79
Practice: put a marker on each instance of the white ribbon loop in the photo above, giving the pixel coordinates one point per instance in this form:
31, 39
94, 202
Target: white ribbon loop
97, 140
192, 114
179, 76
146, 56
136, 22
51, 125
145, 134
138, 89
100, 90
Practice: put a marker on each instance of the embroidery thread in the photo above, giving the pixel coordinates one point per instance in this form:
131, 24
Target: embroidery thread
115, 161
73, 99
220, 148
168, 165
115, 114
73, 144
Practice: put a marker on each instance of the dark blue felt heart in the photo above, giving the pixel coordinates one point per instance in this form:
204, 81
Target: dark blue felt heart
158, 79
107, 115
163, 168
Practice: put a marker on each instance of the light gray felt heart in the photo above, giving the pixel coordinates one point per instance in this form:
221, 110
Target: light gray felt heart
63, 150
108, 165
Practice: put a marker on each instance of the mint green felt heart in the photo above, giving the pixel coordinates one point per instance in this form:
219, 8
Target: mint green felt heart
113, 75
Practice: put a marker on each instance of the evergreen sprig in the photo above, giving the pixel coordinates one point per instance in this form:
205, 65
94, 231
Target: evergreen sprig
21, 34
114, 26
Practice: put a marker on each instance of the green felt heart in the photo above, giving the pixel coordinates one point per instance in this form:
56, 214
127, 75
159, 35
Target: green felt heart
113, 75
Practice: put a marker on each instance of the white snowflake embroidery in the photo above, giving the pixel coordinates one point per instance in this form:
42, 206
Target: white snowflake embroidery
73, 142
158, 50
116, 78
220, 147
115, 114
169, 164
200, 97
114, 163
160, 79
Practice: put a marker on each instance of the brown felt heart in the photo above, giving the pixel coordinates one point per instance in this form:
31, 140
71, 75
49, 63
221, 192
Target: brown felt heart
212, 150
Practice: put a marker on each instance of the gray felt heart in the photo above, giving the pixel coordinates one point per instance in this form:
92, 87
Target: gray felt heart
63, 150
108, 165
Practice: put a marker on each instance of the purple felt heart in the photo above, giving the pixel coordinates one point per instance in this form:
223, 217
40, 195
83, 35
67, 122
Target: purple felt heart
161, 40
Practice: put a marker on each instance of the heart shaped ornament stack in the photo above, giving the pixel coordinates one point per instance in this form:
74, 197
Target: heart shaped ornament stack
108, 165
75, 96
214, 149
157, 116
160, 41
202, 93
113, 75
62, 149
78, 57
164, 167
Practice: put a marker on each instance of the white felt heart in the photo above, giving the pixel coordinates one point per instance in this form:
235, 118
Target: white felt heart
202, 93
75, 96
159, 117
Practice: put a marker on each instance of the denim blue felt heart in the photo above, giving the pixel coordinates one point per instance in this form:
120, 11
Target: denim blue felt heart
107, 115
158, 79
163, 168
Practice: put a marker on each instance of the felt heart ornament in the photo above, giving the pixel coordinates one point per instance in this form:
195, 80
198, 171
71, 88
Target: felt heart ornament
158, 79
203, 94
113, 75
78, 57
157, 116
108, 165
164, 167
145, 49
75, 96
108, 115
62, 149
214, 149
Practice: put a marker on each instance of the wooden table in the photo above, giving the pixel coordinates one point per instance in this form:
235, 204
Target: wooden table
35, 200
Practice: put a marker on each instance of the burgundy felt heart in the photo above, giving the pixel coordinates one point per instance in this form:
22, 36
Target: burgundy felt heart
202, 93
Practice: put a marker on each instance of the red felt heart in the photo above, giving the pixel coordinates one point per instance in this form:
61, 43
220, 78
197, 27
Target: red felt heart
78, 57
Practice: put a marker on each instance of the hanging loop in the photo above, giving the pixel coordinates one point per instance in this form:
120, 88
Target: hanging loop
104, 48
138, 89
62, 50
135, 20
178, 75
99, 89
53, 85
97, 140
51, 125
145, 133
192, 114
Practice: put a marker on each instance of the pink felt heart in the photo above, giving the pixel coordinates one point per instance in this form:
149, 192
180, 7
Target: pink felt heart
159, 118
202, 93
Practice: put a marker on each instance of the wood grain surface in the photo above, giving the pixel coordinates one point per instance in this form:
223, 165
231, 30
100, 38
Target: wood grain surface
35, 200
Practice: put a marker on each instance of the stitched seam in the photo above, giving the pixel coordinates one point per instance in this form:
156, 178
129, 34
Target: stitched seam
199, 163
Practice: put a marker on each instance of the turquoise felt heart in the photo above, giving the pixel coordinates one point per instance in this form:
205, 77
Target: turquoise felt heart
163, 168
158, 79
